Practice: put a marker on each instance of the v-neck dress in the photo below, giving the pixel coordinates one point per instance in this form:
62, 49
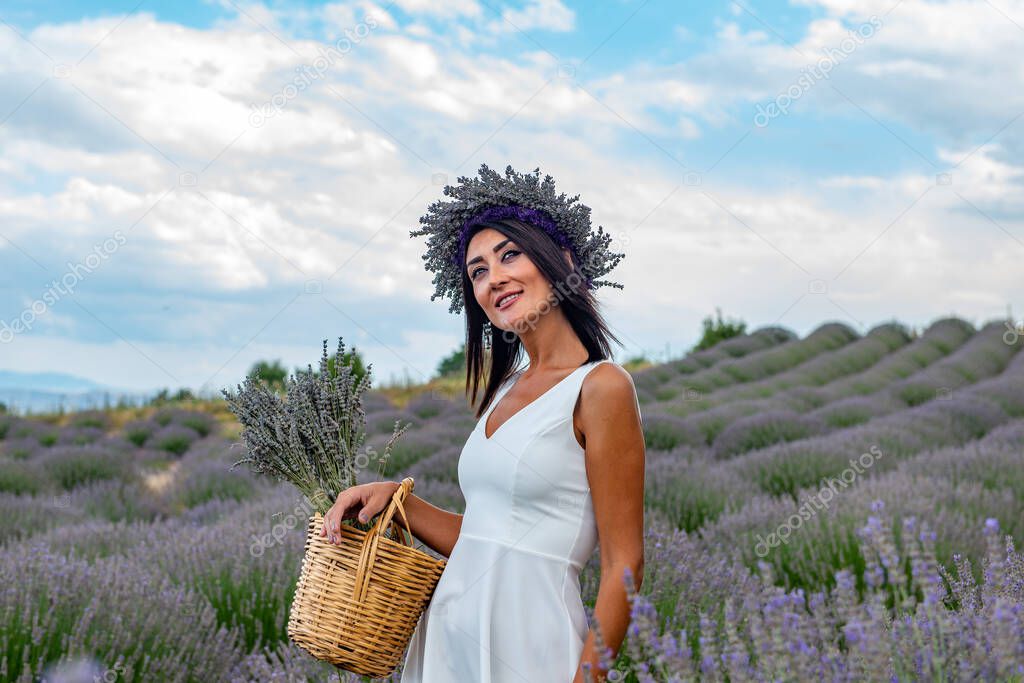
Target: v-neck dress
507, 608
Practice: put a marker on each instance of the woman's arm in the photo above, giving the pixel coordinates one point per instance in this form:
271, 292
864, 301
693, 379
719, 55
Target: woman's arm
437, 528
610, 421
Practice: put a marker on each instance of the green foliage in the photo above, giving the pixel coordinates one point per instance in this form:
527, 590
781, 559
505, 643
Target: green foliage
138, 432
916, 393
687, 503
91, 418
203, 486
665, 432
47, 438
454, 363
176, 442
348, 358
271, 372
164, 396
19, 478
638, 360
199, 422
406, 453
85, 467
719, 330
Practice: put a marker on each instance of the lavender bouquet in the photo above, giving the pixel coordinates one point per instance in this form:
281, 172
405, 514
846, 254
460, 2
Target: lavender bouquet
312, 435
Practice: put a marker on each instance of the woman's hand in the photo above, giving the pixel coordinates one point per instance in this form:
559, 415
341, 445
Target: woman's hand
365, 500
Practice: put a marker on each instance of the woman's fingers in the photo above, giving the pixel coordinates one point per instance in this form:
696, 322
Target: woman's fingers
361, 502
341, 510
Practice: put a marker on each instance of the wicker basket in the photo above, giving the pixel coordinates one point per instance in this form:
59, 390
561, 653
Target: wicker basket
356, 604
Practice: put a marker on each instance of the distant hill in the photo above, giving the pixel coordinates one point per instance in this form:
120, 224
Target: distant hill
49, 391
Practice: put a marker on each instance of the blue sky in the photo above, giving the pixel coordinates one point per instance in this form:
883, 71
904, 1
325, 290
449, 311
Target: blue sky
895, 179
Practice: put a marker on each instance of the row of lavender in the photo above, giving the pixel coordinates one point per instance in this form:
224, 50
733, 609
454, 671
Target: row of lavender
930, 425
807, 590
52, 475
226, 568
127, 554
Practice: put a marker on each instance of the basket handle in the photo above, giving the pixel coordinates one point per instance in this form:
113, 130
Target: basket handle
368, 553
403, 490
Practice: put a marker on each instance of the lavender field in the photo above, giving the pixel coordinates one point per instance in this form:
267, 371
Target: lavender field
838, 507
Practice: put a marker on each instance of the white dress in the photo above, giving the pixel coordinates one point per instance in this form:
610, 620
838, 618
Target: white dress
507, 608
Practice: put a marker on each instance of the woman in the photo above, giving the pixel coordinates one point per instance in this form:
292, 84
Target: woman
555, 463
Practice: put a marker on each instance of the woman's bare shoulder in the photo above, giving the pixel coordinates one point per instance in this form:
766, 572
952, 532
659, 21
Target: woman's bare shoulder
609, 382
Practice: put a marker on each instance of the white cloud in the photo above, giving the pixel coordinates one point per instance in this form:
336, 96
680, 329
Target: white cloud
549, 15
448, 9
340, 171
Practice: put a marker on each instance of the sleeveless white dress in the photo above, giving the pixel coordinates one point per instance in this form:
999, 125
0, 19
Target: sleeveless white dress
507, 608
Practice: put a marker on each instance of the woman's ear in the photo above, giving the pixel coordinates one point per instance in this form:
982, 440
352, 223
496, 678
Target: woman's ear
567, 256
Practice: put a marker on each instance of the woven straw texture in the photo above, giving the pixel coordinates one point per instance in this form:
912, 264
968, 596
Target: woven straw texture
356, 604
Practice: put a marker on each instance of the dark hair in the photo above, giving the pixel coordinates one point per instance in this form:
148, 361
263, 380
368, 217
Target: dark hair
572, 295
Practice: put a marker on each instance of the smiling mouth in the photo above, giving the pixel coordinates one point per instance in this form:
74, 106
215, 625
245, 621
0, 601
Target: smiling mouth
509, 300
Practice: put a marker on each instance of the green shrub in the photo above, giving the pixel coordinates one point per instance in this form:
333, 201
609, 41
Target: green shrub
914, 394
163, 417
115, 500
139, 431
405, 453
20, 449
665, 432
19, 478
91, 418
70, 467
47, 438
213, 481
174, 439
201, 423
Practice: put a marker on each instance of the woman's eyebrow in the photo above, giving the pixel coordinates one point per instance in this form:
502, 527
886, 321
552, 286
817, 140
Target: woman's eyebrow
497, 248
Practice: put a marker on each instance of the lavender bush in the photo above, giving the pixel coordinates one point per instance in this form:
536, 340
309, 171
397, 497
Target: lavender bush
71, 466
908, 572
20, 477
20, 448
22, 516
765, 429
200, 422
173, 438
910, 627
210, 479
116, 610
117, 500
139, 431
93, 419
79, 435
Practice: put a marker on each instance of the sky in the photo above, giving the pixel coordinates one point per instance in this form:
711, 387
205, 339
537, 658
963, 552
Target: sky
188, 187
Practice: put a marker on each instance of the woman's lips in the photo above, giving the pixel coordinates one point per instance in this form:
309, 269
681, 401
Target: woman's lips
509, 303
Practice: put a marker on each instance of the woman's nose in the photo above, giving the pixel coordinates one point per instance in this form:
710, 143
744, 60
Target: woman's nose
496, 276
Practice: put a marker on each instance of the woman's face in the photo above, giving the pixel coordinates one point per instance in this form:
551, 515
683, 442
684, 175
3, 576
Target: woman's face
497, 268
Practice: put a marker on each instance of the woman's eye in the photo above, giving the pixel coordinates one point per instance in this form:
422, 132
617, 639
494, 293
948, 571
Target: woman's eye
472, 276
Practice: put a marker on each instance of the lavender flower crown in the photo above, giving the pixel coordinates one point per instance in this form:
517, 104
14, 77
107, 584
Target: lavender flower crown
521, 196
